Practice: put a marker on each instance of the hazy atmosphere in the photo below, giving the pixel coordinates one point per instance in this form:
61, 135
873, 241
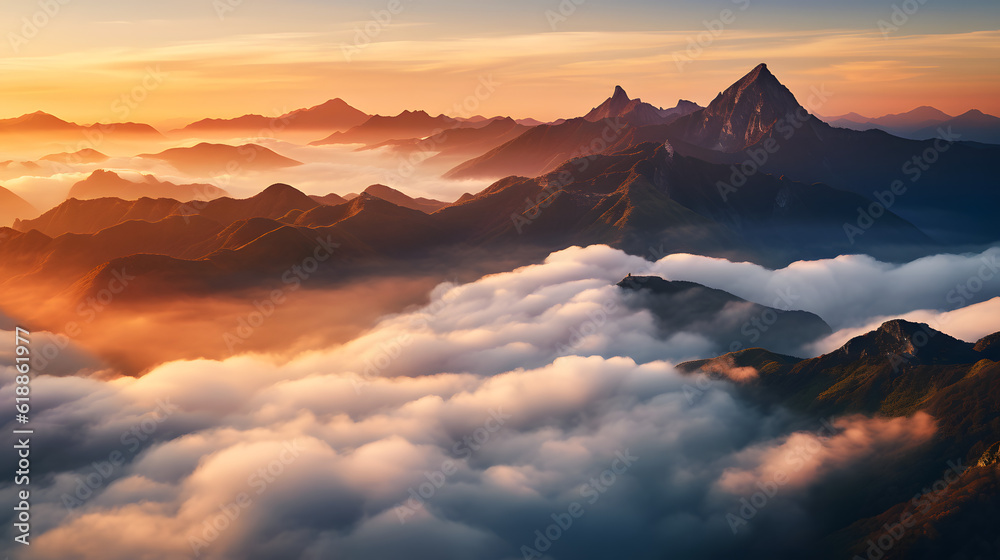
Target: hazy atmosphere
560, 280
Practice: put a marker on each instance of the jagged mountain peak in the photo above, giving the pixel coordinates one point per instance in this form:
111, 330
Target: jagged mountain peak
743, 114
614, 106
914, 343
758, 91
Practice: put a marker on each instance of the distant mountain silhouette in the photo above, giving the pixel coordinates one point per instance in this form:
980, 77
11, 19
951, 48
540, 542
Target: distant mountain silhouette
545, 147
540, 149
971, 126
425, 205
92, 216
334, 115
332, 199
648, 196
219, 159
720, 316
635, 200
536, 122
383, 192
457, 144
637, 113
86, 155
408, 124
13, 207
926, 122
900, 124
54, 129
107, 184
223, 244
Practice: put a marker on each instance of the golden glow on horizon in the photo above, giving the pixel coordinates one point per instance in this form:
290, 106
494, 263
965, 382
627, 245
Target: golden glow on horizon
545, 76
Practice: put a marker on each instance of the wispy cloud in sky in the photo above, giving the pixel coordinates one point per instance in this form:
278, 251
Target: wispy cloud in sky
547, 75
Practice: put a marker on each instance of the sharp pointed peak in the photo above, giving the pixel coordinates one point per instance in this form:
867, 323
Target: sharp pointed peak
760, 73
912, 342
619, 93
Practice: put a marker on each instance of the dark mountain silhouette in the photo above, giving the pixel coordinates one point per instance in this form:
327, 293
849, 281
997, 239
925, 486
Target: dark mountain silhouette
900, 124
334, 115
332, 199
541, 149
54, 129
925, 123
635, 200
648, 196
741, 116
971, 126
536, 122
107, 184
220, 159
852, 118
544, 147
408, 124
383, 192
989, 346
457, 143
912, 118
36, 122
635, 112
274, 202
425, 205
897, 370
221, 245
891, 370
366, 216
757, 126
92, 216
719, 316
86, 155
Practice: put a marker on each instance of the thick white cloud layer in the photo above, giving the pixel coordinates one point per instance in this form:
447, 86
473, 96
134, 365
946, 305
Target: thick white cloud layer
505, 406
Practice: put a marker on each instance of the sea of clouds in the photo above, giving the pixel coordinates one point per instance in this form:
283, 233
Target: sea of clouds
529, 414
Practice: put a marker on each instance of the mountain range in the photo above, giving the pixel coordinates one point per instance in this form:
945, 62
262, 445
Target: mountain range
55, 128
207, 159
454, 145
641, 198
680, 184
719, 316
898, 370
544, 147
334, 115
752, 176
408, 124
757, 126
108, 184
925, 123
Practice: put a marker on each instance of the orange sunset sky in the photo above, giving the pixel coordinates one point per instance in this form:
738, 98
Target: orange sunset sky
224, 58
